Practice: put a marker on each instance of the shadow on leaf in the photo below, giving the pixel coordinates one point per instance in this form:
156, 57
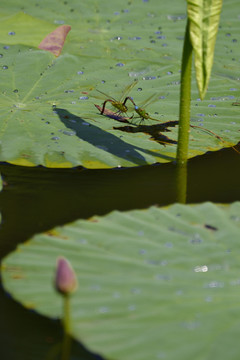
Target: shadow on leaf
104, 140
155, 131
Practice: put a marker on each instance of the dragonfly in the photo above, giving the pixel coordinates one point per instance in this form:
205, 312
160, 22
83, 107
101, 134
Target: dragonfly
142, 113
120, 105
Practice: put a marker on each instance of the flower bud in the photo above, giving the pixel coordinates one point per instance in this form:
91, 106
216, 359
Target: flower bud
65, 280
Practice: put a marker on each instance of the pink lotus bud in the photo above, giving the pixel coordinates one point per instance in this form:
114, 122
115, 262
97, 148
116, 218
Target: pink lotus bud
65, 280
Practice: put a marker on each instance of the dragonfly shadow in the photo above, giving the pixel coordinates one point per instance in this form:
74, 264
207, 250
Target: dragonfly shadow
103, 139
155, 131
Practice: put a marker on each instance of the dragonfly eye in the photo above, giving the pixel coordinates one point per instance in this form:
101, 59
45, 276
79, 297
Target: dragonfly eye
136, 107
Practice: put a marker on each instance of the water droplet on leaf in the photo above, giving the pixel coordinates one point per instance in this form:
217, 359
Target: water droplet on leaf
55, 138
215, 284
203, 268
136, 291
196, 239
176, 17
82, 241
104, 309
60, 22
69, 132
134, 38
149, 77
116, 295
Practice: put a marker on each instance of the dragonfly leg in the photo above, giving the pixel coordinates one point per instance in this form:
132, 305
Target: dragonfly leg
138, 121
104, 105
129, 98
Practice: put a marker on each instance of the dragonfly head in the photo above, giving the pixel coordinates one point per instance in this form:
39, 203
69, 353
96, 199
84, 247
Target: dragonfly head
136, 107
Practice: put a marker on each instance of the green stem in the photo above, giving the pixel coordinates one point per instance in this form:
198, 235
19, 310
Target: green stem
66, 346
181, 182
184, 118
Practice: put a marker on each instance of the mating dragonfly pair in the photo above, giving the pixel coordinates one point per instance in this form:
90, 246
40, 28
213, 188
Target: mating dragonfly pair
122, 107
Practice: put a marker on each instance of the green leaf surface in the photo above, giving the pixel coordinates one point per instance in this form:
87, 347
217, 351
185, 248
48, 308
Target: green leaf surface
157, 283
203, 27
108, 48
24, 29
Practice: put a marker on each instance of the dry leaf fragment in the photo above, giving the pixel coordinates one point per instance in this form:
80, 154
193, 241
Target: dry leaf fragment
54, 41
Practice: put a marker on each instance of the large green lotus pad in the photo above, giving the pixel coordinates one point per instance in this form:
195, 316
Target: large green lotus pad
159, 284
106, 50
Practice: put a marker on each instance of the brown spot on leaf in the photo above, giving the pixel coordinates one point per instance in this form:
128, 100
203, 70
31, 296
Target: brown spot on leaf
54, 41
57, 234
93, 220
17, 276
210, 227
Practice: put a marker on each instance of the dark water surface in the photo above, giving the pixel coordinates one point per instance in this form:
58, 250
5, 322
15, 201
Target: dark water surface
37, 199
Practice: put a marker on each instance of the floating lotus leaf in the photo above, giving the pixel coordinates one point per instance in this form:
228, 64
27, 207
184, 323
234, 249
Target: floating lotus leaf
47, 107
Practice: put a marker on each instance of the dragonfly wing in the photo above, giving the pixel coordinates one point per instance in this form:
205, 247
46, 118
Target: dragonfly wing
149, 100
127, 90
106, 95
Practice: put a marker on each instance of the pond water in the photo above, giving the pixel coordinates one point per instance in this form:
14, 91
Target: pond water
37, 199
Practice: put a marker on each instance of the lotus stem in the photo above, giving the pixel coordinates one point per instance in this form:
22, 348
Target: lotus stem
66, 345
184, 118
